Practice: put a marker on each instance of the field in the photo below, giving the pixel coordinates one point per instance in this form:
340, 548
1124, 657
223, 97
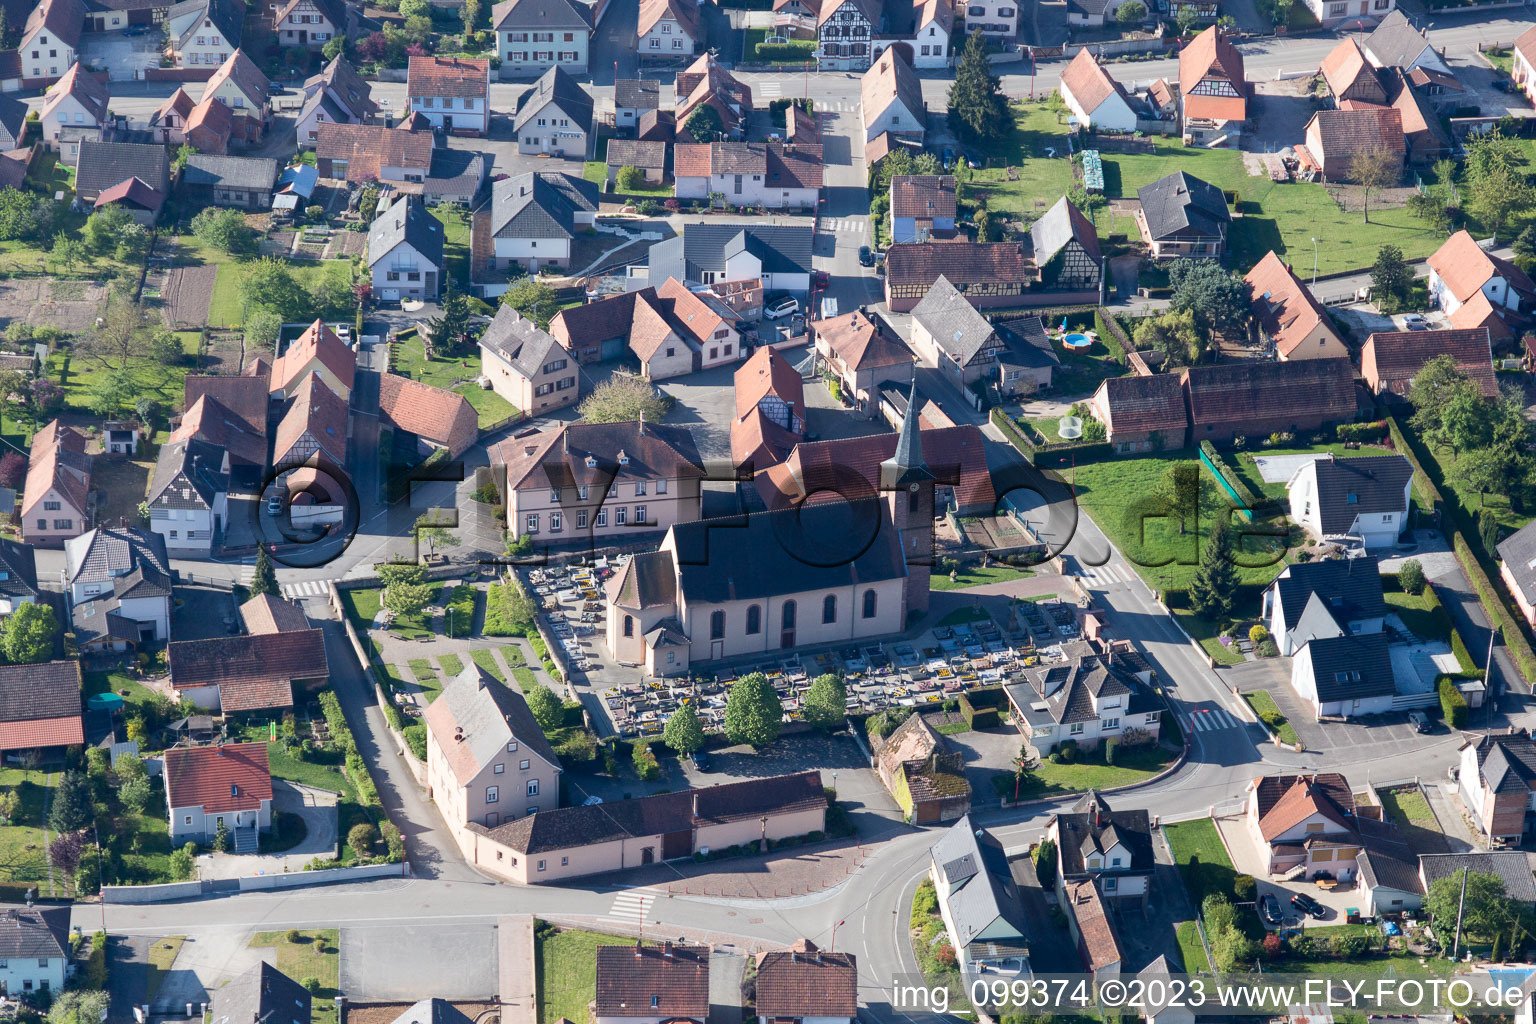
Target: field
152, 379
567, 973
1284, 218
226, 308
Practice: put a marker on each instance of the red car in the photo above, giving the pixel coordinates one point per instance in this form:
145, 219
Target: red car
821, 279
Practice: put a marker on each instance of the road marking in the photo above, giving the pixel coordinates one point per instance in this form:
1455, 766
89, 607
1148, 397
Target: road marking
1213, 719
771, 88
308, 588
633, 905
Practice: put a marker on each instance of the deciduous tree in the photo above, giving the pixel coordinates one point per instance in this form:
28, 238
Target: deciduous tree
1486, 910
224, 230
620, 399
533, 299
683, 731
826, 703
28, 633
753, 714
269, 284
546, 707
704, 124
1374, 170
1217, 298
406, 588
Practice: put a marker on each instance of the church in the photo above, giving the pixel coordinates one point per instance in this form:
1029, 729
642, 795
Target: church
814, 573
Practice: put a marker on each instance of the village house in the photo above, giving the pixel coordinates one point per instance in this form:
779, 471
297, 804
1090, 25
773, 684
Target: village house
1142, 413
264, 994
1288, 316
706, 83
316, 351
844, 33
533, 220
807, 985
534, 36
571, 842
1460, 269
987, 273
1066, 249
770, 410
777, 175
1523, 64
18, 575
1364, 500
209, 127
40, 708
452, 93
50, 38
995, 19
864, 354
338, 95
554, 117
1398, 43
1213, 92
926, 27
229, 411
1093, 931
314, 425
265, 613
891, 98
1350, 76
1092, 94
312, 23
969, 349
34, 950
588, 482
979, 901
633, 98
254, 673
1181, 215
923, 772
239, 182
204, 33
74, 110
433, 418
188, 496
1113, 849
643, 984
526, 365
169, 121
1336, 140
242, 87
405, 252
55, 503
1087, 699
1254, 399
227, 784
1348, 590
667, 30
1496, 778
1517, 568
487, 759
1390, 360
777, 256
1352, 14
713, 601
1341, 675
923, 207
649, 158
1304, 821
119, 589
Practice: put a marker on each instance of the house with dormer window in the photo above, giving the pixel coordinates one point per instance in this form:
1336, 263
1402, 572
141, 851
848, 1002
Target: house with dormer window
1110, 848
1213, 92
1364, 500
1305, 822
1348, 588
1091, 696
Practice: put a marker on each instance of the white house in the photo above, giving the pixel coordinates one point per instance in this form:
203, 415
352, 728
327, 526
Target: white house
205, 33
1341, 675
933, 22
1094, 96
892, 99
453, 93
129, 566
667, 29
189, 496
1113, 849
1086, 699
534, 218
533, 36
310, 23
405, 252
1304, 821
844, 34
1460, 268
49, 38
554, 117
777, 175
75, 108
979, 901
1364, 500
1348, 590
227, 784
34, 949
339, 95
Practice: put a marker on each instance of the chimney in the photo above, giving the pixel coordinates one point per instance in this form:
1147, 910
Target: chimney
642, 422
666, 949
638, 951
458, 734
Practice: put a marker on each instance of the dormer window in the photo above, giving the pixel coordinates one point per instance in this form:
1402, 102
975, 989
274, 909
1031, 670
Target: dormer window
1095, 863
623, 459
591, 462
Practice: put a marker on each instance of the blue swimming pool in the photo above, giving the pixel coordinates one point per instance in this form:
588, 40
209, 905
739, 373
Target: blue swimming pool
1077, 341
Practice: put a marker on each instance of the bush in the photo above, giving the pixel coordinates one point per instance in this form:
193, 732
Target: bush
1365, 433
1258, 634
925, 901
1272, 945
1410, 576
978, 718
416, 738
508, 612
1267, 649
293, 936
361, 838
1068, 751
796, 52
1111, 745
645, 762
1244, 887
1452, 703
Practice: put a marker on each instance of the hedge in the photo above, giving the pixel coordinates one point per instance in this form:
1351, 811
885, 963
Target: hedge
778, 109
1250, 500
1362, 432
1452, 703
1112, 335
796, 52
978, 718
1003, 422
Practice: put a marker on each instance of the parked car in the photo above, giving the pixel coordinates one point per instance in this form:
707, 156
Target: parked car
821, 279
866, 256
781, 306
275, 505
1309, 906
1420, 721
700, 760
1269, 910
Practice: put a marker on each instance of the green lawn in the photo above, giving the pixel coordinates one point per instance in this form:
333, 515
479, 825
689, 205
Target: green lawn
1262, 702
567, 973
1201, 857
1132, 765
407, 357
455, 223
364, 603
1281, 217
143, 845
451, 664
1408, 807
319, 775
426, 678
23, 859
136, 695
488, 405
227, 309
974, 576
1421, 613
162, 957
459, 610
317, 956
1243, 465
1191, 952
486, 659
1504, 60
152, 379
757, 35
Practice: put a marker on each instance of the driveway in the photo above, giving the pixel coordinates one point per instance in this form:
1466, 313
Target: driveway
123, 57
318, 809
988, 752
837, 757
1273, 676
208, 959
450, 961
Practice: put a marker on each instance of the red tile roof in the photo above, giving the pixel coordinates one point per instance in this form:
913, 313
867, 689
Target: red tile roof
1089, 82
1345, 69
1356, 130
1285, 801
368, 148
803, 981
794, 165
267, 614
59, 464
964, 263
956, 455
653, 981
208, 420
1390, 360
862, 342
1312, 390
756, 439
320, 412
1141, 405
441, 417
1097, 944
684, 12
1286, 308
41, 732
135, 192
219, 779
317, 341
251, 672
924, 196
1211, 55
1464, 267
449, 76
691, 160
245, 395
1525, 45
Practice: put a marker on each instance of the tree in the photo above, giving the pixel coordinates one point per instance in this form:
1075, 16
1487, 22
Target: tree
683, 731
269, 284
265, 579
1498, 194
368, 202
547, 709
704, 124
1374, 170
1525, 248
71, 808
132, 243
978, 110
136, 795
1174, 334
1410, 576
20, 216
1432, 390
184, 154
1391, 277
65, 850
121, 340
1214, 587
1465, 423
10, 800
1485, 912
223, 229
184, 861
449, 331
13, 468
406, 588
826, 703
1487, 527
107, 395
28, 633
753, 713
332, 298
6, 41
629, 178
220, 842
336, 47
67, 251
1131, 12
471, 16
415, 9
262, 327
1218, 299
533, 299
1178, 490
1480, 470
986, 230
1045, 863
361, 838
103, 226
621, 399
79, 1006
434, 533
165, 348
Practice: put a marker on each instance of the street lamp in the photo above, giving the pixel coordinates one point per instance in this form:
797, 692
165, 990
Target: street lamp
1314, 261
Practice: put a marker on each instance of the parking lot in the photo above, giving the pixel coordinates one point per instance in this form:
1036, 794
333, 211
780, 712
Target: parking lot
122, 56
1273, 676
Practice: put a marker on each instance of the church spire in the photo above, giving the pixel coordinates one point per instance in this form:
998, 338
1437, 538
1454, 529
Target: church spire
906, 465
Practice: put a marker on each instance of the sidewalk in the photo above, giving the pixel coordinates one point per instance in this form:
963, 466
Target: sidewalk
516, 985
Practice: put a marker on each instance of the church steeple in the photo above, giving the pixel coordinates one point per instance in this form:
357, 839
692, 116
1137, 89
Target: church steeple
906, 466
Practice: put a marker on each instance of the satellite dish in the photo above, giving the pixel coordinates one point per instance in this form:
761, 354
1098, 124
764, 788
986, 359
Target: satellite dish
1070, 428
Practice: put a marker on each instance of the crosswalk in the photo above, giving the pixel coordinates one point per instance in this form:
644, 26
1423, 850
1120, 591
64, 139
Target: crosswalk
633, 905
771, 89
839, 225
1107, 573
1211, 720
294, 591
